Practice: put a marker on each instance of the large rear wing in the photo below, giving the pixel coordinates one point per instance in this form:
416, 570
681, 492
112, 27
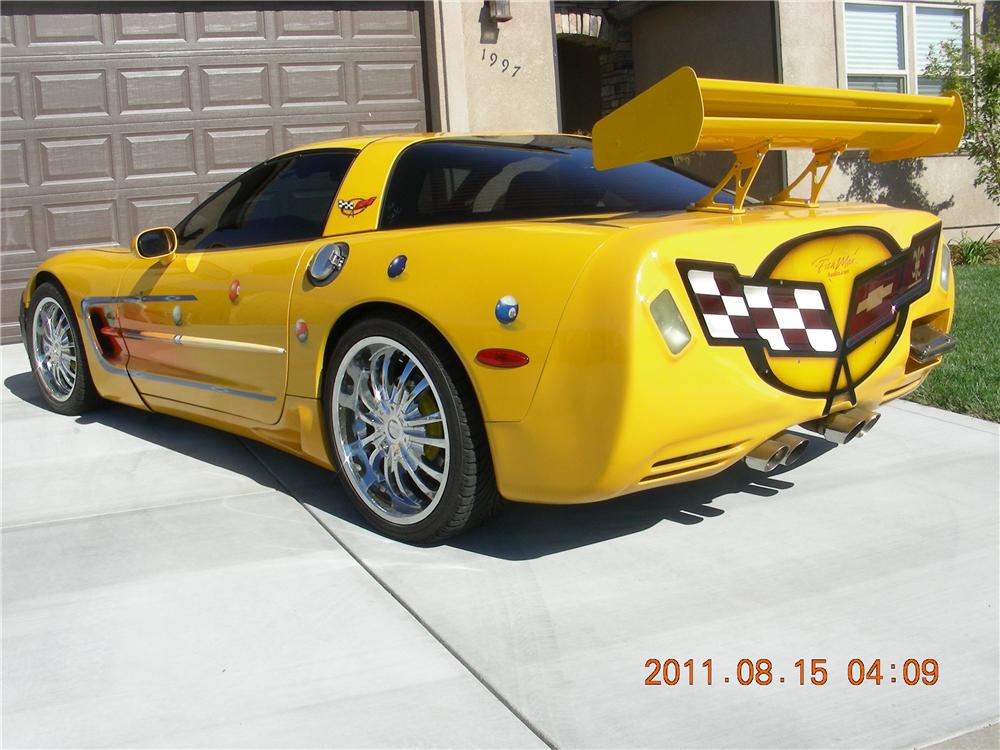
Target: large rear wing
683, 113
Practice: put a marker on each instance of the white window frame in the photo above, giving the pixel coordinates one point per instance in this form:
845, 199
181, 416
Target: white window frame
909, 74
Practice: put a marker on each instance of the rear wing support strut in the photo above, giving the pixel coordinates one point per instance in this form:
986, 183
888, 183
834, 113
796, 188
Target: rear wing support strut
822, 160
746, 164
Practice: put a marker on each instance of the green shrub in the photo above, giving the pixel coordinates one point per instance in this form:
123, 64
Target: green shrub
973, 252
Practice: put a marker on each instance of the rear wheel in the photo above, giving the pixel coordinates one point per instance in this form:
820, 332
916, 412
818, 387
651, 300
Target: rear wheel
405, 431
55, 349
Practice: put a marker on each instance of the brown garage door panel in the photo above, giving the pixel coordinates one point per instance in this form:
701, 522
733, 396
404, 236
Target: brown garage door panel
127, 118
42, 91
44, 29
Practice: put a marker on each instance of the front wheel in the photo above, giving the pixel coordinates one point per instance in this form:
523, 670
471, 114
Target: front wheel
55, 349
406, 434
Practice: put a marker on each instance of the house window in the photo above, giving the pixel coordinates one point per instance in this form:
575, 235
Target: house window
934, 26
886, 45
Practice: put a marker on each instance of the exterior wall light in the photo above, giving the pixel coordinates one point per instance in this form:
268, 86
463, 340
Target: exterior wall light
498, 10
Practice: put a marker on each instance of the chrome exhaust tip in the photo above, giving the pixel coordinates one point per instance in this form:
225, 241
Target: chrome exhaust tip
842, 428
872, 420
796, 447
766, 456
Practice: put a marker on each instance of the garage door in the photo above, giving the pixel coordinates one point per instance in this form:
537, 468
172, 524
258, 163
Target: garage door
126, 119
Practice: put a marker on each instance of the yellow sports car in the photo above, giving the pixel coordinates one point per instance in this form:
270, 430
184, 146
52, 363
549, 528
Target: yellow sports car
446, 320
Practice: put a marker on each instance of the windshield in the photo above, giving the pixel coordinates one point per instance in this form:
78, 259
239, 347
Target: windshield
490, 179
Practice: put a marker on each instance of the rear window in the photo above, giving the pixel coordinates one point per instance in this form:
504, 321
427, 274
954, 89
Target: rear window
444, 182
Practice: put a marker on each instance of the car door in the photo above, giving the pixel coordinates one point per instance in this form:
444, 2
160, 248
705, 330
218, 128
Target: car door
210, 327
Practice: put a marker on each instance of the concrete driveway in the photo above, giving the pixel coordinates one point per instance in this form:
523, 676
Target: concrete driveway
168, 585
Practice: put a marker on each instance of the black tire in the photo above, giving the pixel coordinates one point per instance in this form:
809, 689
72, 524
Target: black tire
83, 395
470, 493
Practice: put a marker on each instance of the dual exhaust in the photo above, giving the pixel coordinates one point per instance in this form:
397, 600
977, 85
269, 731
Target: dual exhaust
786, 448
842, 428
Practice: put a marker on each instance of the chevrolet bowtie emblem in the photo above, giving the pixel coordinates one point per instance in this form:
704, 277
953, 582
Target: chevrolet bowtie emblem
875, 298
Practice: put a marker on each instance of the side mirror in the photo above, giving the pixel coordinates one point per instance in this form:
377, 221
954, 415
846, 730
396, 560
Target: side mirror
160, 242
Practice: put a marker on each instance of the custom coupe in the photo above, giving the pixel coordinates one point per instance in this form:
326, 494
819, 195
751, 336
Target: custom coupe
447, 320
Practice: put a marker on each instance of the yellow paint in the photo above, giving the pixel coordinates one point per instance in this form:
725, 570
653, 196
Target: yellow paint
603, 407
684, 113
257, 318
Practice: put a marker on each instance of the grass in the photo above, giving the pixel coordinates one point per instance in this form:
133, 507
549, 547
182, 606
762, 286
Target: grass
968, 381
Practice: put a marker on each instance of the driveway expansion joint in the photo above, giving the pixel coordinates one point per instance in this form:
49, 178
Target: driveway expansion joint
479, 677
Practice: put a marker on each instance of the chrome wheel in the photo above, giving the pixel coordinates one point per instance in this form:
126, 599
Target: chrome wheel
54, 349
389, 430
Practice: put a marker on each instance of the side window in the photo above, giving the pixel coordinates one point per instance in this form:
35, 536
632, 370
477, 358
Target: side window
283, 200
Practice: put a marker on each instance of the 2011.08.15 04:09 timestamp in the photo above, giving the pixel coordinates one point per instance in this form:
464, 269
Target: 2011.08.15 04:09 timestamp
910, 672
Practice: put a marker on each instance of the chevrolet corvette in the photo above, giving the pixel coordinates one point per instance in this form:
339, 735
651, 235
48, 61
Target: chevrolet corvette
447, 320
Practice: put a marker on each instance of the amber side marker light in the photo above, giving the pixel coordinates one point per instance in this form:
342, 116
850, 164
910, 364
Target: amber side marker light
502, 358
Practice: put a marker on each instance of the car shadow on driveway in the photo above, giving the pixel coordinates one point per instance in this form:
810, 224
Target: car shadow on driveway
524, 531
520, 532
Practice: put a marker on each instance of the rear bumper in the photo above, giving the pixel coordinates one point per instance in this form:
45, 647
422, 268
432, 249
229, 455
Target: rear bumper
615, 412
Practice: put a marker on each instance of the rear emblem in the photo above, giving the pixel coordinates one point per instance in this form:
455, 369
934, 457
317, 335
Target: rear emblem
779, 319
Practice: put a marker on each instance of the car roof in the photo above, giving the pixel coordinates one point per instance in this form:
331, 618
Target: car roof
405, 139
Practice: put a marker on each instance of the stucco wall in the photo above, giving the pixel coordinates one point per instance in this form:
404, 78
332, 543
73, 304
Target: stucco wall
718, 40
466, 92
811, 55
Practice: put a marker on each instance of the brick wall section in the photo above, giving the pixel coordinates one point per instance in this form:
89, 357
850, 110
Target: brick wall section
617, 76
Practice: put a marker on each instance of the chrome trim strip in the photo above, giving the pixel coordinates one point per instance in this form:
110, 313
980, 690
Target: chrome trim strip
87, 302
202, 386
162, 298
201, 342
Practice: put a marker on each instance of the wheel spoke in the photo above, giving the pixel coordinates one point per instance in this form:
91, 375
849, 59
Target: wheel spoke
67, 373
373, 408
422, 465
426, 440
401, 381
410, 499
59, 377
424, 419
411, 470
417, 390
372, 385
386, 395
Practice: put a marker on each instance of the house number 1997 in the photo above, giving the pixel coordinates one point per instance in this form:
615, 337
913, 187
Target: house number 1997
501, 63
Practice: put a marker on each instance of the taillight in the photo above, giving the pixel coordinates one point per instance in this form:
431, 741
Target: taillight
789, 317
881, 291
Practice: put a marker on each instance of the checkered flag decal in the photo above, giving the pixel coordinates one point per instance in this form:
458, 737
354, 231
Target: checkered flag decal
345, 205
791, 320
